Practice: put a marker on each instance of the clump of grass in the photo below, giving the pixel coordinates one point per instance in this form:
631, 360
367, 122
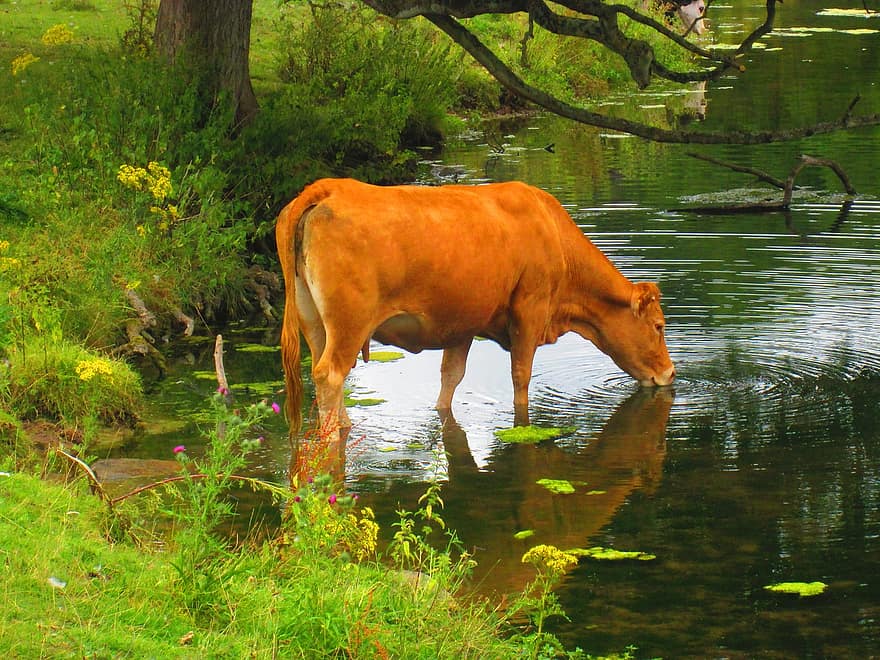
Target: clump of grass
51, 377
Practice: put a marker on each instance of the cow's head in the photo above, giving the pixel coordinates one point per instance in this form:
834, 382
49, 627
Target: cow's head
633, 336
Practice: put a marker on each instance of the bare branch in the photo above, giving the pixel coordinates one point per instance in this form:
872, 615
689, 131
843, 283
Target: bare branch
760, 174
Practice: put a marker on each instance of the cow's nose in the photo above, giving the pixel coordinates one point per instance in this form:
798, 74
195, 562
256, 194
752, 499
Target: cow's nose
666, 377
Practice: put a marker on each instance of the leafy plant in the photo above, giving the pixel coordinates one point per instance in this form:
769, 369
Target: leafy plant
538, 602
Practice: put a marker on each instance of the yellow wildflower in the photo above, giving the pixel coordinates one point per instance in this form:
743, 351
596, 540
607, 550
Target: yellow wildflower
22, 62
159, 181
57, 35
131, 177
88, 369
156, 178
141, 230
549, 559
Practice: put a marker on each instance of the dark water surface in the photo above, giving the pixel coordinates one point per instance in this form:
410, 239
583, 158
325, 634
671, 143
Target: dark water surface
761, 465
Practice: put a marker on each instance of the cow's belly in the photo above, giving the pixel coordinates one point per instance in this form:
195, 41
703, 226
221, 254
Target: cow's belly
414, 333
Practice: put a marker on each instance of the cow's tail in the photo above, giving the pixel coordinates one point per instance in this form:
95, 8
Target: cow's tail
285, 236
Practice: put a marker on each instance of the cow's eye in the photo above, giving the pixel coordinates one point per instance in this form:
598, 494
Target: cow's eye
659, 327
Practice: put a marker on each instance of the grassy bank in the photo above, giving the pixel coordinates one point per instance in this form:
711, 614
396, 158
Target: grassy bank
147, 574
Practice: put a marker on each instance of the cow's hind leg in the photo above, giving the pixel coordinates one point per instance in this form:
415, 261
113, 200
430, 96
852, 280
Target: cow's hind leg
329, 374
451, 372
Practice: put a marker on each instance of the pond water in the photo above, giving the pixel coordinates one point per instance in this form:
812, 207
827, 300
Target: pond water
761, 465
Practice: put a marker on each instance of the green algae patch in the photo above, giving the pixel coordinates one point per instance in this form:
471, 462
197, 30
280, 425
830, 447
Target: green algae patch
610, 554
532, 434
362, 403
386, 356
557, 486
596, 492
524, 534
798, 588
256, 348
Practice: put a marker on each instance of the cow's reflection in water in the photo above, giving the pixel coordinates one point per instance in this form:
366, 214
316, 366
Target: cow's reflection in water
487, 506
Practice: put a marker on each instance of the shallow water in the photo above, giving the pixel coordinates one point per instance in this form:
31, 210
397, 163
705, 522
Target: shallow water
761, 465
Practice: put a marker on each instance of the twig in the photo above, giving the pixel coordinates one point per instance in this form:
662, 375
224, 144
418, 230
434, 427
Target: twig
93, 478
813, 161
188, 322
763, 176
272, 488
222, 384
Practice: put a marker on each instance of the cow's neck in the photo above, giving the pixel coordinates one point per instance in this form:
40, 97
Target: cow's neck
595, 290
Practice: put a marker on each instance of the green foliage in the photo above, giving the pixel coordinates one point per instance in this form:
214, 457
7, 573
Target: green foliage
538, 602
361, 69
200, 503
48, 376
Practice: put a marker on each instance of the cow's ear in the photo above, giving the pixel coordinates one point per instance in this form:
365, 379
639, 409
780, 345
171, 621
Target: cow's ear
643, 294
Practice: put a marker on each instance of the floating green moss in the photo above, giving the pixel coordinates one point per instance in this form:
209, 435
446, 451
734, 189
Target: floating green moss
362, 403
596, 492
557, 486
532, 434
524, 534
798, 588
385, 356
256, 348
610, 554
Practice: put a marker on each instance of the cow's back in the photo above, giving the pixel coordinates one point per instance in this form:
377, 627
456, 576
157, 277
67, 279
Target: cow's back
453, 257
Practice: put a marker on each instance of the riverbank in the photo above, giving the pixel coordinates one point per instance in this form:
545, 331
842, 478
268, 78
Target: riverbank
83, 595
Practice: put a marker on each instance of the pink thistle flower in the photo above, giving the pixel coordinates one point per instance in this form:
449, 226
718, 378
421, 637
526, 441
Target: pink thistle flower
276, 408
297, 499
222, 390
332, 499
179, 449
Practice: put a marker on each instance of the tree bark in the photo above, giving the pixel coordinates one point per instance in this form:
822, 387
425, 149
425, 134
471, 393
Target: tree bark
214, 38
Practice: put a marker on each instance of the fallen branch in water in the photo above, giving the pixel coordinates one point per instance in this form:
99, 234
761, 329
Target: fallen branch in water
787, 186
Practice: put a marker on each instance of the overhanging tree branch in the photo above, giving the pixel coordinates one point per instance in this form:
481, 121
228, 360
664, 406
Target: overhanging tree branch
598, 21
463, 37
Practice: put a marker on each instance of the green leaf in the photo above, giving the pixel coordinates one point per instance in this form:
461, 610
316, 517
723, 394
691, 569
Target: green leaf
524, 534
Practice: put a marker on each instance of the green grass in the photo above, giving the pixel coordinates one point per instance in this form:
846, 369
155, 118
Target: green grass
83, 596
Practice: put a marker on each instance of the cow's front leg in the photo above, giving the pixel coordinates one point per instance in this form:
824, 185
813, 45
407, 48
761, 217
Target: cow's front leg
522, 354
451, 372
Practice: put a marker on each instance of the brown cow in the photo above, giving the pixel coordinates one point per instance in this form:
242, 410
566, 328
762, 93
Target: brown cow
422, 267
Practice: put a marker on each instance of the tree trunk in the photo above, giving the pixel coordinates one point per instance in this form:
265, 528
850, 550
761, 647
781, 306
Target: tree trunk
214, 38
